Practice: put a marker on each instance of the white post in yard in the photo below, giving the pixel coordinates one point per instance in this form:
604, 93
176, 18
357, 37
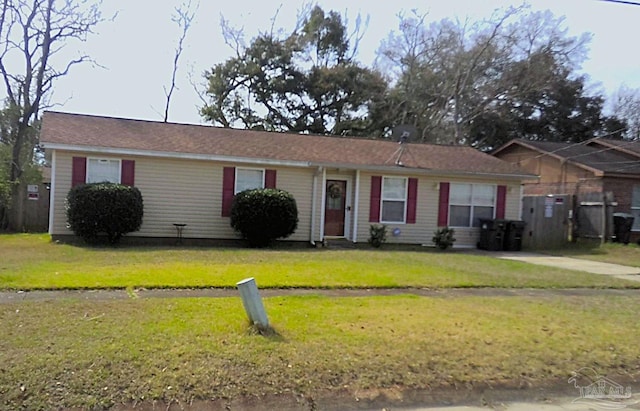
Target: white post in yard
252, 302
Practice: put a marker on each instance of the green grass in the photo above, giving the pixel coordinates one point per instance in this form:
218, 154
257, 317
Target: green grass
608, 253
97, 354
33, 262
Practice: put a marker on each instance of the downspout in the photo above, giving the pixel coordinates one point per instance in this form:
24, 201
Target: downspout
52, 192
356, 201
314, 200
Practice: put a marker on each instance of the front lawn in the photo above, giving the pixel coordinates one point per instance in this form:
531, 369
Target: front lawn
33, 262
98, 354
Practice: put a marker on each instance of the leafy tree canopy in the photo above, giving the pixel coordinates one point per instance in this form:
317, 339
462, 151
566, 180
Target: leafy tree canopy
308, 81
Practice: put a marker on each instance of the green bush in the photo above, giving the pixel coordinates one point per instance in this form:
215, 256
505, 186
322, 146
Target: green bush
443, 238
98, 209
377, 235
263, 215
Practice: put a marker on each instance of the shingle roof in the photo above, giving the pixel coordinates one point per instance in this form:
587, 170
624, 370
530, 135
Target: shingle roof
606, 160
631, 147
78, 130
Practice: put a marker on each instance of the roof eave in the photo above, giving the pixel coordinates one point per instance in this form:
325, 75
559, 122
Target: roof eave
174, 155
621, 175
287, 163
424, 171
562, 159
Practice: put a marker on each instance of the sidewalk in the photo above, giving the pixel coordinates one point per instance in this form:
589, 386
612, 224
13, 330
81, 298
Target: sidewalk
558, 405
106, 295
565, 399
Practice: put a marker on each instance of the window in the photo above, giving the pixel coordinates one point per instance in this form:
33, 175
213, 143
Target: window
468, 203
248, 178
100, 170
635, 207
394, 199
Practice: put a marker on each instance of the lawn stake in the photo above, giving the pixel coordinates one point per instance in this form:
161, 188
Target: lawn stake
253, 303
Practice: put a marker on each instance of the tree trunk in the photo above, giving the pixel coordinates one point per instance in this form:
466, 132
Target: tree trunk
16, 211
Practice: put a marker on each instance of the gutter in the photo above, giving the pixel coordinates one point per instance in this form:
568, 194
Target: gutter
285, 163
174, 155
423, 171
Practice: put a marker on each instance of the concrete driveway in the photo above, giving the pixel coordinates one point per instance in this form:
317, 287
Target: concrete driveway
594, 267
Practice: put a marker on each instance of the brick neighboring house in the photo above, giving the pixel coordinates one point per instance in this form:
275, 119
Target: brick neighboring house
595, 166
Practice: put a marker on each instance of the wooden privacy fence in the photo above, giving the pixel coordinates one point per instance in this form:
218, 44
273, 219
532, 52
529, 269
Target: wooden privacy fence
554, 220
594, 216
547, 221
34, 203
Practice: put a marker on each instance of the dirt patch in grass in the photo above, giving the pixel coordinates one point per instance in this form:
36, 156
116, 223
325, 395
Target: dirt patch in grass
105, 295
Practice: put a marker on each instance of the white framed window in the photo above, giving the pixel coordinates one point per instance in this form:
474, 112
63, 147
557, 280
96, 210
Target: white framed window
635, 207
101, 170
249, 178
468, 203
393, 207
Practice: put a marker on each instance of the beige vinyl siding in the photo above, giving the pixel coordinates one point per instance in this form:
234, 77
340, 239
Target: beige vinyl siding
298, 182
179, 191
62, 179
188, 192
427, 211
469, 237
315, 219
513, 206
426, 214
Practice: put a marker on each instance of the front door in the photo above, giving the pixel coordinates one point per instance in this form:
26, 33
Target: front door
334, 210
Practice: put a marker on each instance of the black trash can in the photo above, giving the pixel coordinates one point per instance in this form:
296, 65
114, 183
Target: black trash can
513, 235
622, 223
492, 234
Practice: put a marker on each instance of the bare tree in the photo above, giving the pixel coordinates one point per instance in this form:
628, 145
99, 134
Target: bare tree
626, 106
183, 17
32, 33
451, 73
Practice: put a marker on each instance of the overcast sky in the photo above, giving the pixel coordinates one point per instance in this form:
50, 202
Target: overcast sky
136, 49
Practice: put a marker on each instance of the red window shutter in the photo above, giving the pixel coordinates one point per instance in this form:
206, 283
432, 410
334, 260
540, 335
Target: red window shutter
127, 172
412, 198
270, 179
443, 205
78, 171
501, 201
374, 203
228, 188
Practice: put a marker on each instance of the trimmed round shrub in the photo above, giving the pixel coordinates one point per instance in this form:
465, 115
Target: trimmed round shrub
97, 210
263, 215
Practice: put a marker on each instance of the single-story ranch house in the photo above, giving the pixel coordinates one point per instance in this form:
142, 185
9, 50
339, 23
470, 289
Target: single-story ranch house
188, 174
